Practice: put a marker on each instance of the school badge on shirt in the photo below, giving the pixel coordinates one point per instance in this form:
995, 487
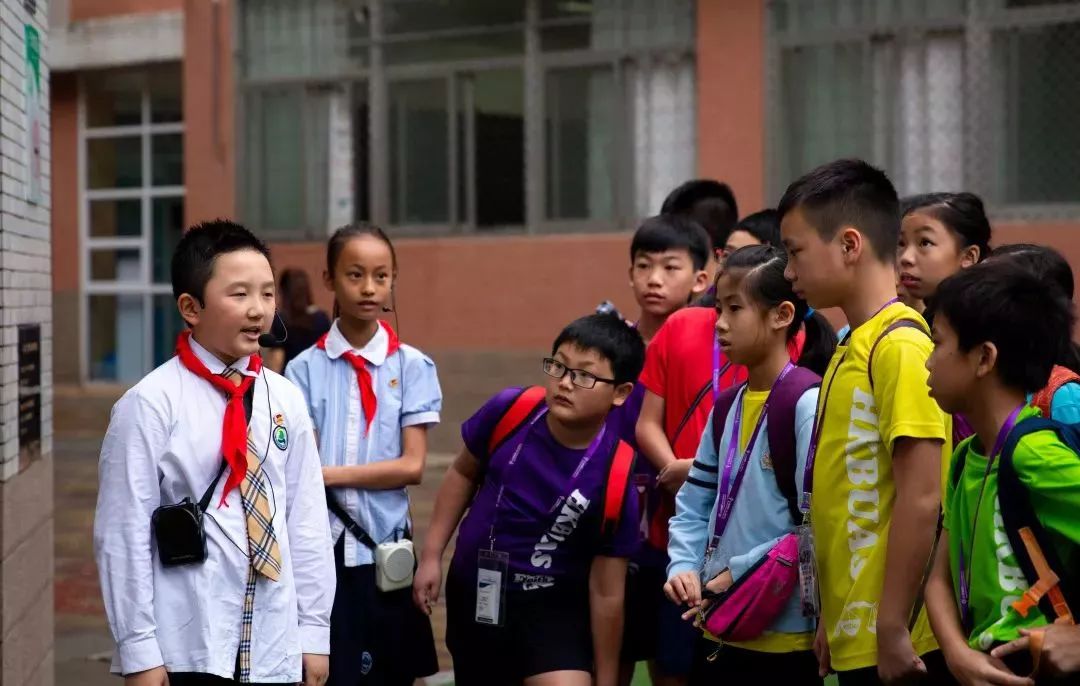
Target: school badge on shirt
393, 383
280, 433
766, 461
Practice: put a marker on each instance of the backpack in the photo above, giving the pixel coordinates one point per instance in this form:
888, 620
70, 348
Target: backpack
1059, 376
1052, 587
620, 469
780, 427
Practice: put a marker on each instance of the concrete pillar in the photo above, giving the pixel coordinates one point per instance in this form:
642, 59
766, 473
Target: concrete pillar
26, 492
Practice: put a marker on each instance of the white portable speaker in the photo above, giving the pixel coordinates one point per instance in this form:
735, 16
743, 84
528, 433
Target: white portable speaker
394, 563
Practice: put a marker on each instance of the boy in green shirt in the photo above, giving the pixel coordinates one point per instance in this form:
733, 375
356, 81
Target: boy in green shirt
997, 331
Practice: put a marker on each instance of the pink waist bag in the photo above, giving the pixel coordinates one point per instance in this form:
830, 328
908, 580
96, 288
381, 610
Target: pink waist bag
753, 603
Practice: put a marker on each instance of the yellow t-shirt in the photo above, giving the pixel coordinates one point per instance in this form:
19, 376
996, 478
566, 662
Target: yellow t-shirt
769, 642
854, 492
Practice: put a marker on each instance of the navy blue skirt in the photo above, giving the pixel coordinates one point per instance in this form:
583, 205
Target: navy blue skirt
376, 638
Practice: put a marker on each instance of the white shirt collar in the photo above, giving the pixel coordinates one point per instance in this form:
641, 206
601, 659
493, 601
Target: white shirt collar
374, 351
215, 365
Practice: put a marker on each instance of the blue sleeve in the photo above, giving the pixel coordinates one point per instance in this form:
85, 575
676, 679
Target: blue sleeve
688, 530
299, 372
423, 397
627, 538
1065, 405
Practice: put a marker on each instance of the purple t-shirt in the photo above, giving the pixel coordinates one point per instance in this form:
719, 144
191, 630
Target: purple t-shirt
547, 522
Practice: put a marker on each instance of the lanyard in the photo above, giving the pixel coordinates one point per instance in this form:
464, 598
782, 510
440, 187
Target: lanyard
728, 490
588, 455
819, 420
717, 370
965, 575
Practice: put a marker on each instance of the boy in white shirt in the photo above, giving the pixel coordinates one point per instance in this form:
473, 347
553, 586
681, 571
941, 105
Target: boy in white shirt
255, 607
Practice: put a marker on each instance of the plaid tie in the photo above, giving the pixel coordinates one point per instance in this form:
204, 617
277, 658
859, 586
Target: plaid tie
262, 543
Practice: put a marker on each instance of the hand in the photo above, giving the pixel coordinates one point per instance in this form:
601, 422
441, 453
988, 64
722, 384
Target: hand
821, 651
721, 582
897, 661
316, 669
972, 668
426, 583
684, 589
673, 476
1060, 653
151, 677
330, 476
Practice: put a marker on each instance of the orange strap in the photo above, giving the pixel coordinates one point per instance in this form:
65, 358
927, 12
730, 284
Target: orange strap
1059, 376
618, 477
515, 415
1046, 585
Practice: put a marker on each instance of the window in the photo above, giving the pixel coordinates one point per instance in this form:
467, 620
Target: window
455, 117
944, 94
132, 214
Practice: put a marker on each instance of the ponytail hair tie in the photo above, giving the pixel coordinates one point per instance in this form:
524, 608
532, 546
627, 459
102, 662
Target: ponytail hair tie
809, 314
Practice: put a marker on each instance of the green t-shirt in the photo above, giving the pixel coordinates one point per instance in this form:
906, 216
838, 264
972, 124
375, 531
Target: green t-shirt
1050, 472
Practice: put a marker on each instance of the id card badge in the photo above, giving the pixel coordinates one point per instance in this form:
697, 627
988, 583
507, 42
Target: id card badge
808, 578
491, 577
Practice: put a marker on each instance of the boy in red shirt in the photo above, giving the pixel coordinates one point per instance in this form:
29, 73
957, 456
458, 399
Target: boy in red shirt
668, 258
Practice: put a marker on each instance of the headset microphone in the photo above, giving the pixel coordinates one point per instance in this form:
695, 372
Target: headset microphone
269, 340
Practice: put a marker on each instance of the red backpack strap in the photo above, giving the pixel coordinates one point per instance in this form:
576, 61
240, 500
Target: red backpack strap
1059, 376
622, 467
898, 324
781, 429
520, 410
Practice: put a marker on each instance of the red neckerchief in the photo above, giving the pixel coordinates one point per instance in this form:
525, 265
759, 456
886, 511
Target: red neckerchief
368, 402
234, 426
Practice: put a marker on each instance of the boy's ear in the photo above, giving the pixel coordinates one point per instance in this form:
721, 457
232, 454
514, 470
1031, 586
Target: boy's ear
782, 315
622, 392
701, 283
852, 244
987, 358
190, 309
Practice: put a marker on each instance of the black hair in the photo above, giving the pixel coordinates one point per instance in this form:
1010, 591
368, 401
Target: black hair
962, 214
672, 232
710, 203
195, 254
1006, 304
350, 231
848, 193
610, 336
1054, 271
765, 283
763, 225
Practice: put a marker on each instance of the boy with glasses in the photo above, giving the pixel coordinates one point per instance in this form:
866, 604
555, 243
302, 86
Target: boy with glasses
537, 579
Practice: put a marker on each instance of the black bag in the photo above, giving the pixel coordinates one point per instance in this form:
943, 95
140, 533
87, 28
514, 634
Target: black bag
178, 528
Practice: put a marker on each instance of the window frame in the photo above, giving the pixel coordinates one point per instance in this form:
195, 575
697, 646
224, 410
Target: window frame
976, 23
145, 193
534, 63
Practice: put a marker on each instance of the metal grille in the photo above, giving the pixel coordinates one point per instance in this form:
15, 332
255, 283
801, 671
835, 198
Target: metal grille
979, 95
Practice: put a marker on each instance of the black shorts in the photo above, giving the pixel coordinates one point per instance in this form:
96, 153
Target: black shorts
545, 630
654, 627
937, 673
740, 666
376, 638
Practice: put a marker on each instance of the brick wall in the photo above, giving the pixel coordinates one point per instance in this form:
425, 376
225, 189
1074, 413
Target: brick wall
26, 531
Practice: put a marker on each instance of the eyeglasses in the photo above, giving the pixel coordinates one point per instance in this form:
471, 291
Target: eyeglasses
578, 377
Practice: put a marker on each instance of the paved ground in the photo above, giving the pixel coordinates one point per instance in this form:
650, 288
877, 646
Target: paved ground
83, 643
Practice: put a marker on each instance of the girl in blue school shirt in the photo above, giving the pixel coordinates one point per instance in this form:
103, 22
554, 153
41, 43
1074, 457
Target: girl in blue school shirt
372, 400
